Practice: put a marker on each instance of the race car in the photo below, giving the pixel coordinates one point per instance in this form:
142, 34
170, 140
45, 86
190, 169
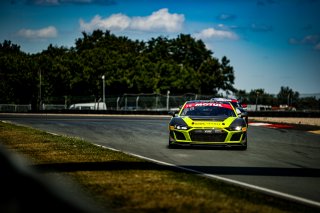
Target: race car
236, 104
207, 122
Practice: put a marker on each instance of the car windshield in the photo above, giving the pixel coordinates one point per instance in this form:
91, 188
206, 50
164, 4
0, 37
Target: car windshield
235, 104
207, 109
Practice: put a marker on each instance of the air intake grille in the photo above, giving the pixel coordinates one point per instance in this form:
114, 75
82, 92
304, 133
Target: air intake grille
179, 135
207, 136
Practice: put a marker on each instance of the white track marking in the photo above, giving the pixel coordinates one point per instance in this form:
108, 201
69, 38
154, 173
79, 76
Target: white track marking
259, 124
227, 180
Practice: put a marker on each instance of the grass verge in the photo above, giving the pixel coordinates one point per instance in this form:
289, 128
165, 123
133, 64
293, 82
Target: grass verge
127, 184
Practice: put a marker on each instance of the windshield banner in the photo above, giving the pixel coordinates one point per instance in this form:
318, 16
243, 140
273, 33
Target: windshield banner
204, 104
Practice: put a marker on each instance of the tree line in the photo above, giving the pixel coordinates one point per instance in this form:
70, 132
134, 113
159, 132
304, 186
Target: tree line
287, 97
180, 65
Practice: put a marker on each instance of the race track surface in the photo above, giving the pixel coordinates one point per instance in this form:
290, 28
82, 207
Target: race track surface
284, 160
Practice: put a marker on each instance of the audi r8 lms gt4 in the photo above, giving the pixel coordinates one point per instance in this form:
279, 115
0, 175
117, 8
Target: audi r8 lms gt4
207, 122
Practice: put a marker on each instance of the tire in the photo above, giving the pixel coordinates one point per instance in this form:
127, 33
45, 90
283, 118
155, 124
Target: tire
171, 145
243, 148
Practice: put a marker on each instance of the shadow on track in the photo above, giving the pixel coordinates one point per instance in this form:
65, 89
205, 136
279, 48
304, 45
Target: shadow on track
223, 170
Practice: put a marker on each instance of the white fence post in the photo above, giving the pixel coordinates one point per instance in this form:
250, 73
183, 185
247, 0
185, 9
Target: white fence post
137, 101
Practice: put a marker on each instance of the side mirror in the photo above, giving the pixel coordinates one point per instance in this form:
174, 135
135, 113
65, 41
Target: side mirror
239, 113
172, 113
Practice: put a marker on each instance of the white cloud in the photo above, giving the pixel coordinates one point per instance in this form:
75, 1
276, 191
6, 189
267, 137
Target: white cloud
60, 2
317, 47
213, 33
160, 20
261, 28
43, 2
307, 40
310, 39
114, 22
225, 16
47, 32
293, 41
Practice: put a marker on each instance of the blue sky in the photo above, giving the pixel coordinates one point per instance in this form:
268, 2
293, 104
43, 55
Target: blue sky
270, 43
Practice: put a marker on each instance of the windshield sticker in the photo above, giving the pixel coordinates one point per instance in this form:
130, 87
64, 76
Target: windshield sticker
204, 104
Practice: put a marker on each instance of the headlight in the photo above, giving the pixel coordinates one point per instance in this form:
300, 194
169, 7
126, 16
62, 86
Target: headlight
234, 128
237, 128
177, 123
180, 127
238, 125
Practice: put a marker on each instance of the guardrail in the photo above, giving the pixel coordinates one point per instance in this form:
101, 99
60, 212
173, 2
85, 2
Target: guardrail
12, 108
302, 114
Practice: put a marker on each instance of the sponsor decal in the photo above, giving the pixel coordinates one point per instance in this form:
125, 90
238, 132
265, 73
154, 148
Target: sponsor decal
208, 104
208, 131
206, 123
190, 105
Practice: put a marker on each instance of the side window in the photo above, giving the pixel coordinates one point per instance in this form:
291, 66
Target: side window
238, 111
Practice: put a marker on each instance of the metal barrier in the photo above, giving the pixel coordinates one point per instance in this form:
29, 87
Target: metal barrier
53, 106
14, 108
153, 102
138, 103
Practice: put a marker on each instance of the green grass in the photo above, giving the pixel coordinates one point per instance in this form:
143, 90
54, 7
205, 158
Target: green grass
128, 184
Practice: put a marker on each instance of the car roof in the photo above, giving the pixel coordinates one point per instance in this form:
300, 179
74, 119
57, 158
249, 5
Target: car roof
203, 101
225, 99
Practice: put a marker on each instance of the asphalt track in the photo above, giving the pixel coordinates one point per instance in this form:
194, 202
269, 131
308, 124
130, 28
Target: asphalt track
281, 161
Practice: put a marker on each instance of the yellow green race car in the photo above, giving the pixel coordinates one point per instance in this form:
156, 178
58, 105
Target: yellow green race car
207, 122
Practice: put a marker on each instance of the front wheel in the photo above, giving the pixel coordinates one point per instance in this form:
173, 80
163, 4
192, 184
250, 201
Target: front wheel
171, 145
244, 147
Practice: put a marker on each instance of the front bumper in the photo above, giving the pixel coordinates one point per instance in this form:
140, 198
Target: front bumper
202, 136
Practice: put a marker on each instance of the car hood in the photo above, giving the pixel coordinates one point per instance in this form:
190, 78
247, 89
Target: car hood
208, 118
203, 121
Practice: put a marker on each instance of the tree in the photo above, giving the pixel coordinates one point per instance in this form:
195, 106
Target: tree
287, 96
255, 96
227, 75
17, 76
210, 76
242, 96
188, 51
9, 48
182, 65
308, 103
